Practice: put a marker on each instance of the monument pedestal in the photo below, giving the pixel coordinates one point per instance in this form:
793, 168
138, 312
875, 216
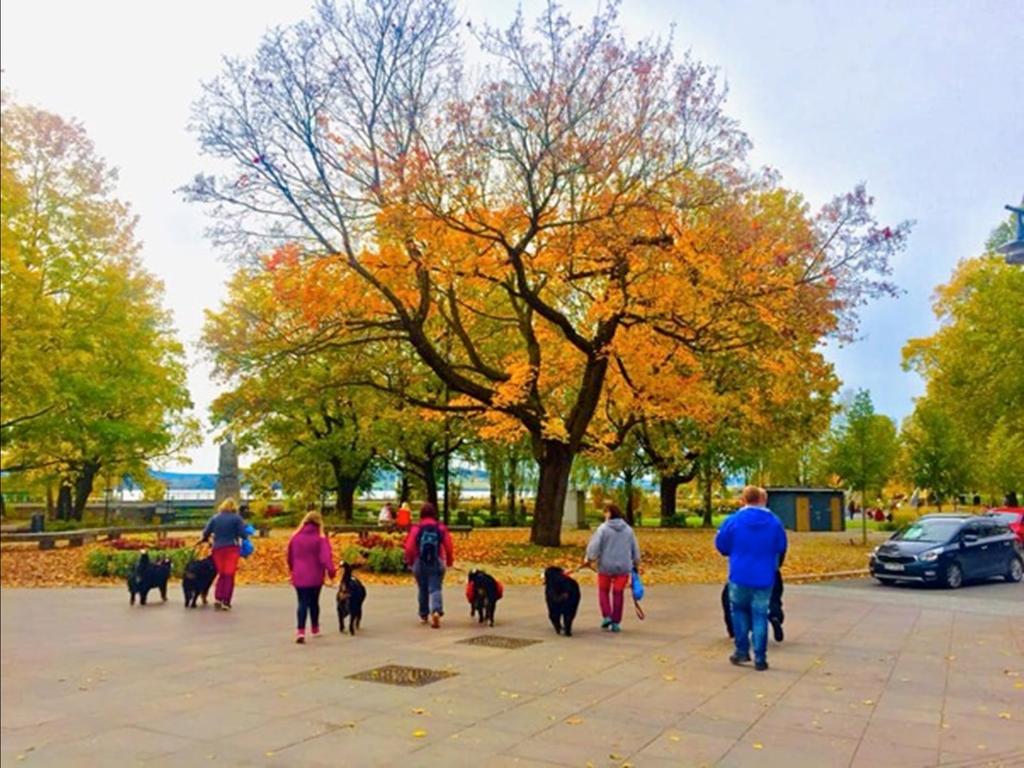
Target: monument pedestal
228, 484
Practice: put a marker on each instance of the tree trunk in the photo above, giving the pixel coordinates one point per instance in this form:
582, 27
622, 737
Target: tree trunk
430, 482
495, 462
627, 487
1011, 499
49, 501
83, 487
64, 501
345, 490
707, 478
555, 466
513, 466
667, 487
344, 502
403, 487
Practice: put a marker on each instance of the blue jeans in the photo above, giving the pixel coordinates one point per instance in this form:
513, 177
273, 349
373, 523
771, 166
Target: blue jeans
750, 617
429, 581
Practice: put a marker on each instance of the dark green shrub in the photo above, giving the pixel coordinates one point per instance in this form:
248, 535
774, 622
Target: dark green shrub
386, 560
352, 554
104, 562
97, 562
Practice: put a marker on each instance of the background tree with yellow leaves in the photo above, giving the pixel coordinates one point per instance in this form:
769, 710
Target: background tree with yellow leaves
974, 396
93, 377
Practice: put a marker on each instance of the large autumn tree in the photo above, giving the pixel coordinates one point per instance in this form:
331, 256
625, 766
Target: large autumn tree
972, 368
575, 223
93, 377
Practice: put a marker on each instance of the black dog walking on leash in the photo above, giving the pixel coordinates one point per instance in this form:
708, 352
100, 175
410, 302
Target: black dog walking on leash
483, 592
351, 595
775, 613
197, 580
147, 575
562, 593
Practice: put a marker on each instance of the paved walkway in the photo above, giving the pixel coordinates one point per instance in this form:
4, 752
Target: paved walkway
868, 676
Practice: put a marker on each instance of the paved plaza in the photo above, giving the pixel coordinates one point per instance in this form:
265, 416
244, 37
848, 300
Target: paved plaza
867, 676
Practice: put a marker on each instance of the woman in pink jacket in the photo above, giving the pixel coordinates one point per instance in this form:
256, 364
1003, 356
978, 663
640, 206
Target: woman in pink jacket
309, 558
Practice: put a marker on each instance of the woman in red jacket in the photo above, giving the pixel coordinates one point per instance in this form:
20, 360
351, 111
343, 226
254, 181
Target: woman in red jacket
309, 558
428, 549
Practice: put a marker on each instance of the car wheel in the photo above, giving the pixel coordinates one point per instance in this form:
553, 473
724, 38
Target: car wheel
954, 576
1016, 571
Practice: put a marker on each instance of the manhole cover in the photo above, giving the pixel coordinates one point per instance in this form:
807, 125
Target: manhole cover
396, 674
497, 641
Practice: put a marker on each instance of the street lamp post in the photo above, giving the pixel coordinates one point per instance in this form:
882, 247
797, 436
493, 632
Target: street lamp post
1014, 249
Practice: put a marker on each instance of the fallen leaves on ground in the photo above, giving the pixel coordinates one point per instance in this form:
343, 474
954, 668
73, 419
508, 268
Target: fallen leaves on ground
669, 557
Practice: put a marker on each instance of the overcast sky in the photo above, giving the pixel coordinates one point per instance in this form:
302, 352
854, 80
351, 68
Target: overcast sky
922, 100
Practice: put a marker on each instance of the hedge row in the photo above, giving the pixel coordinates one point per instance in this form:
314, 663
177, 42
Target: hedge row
103, 562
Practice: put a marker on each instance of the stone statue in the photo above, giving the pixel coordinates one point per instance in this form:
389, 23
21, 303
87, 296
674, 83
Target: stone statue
1014, 249
228, 484
1020, 220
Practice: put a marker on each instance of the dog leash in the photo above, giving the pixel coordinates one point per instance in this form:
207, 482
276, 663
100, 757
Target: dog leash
636, 603
571, 571
639, 611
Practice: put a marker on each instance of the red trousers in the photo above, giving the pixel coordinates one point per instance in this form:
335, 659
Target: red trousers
611, 605
225, 559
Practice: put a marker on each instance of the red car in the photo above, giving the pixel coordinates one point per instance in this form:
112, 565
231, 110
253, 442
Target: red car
1013, 517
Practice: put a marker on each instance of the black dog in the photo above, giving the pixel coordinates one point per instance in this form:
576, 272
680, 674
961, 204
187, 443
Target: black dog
775, 613
483, 592
351, 595
146, 576
196, 581
562, 593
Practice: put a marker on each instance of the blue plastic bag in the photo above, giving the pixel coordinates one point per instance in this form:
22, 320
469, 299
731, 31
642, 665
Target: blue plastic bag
247, 546
638, 586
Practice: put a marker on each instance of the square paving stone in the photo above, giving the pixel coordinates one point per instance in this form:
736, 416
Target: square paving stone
500, 641
876, 753
398, 674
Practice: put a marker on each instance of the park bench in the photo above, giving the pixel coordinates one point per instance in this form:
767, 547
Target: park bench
48, 540
76, 538
461, 530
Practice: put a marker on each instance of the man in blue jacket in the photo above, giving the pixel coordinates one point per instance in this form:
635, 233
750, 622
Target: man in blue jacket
754, 541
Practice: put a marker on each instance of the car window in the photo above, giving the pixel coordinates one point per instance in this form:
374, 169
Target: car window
973, 528
934, 529
997, 528
1006, 517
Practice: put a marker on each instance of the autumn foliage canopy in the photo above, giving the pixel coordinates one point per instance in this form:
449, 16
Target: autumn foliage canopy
570, 240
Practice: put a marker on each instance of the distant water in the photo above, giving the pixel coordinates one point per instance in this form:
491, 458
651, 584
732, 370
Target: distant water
389, 493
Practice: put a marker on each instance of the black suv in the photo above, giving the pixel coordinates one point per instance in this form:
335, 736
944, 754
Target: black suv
949, 550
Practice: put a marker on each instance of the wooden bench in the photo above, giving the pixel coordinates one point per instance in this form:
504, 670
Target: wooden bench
77, 538
49, 540
461, 530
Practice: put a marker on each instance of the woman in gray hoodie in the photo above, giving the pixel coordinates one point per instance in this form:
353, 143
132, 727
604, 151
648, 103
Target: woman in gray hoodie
613, 547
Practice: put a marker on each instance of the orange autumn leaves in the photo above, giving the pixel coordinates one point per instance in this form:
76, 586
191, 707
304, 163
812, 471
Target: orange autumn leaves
670, 557
686, 292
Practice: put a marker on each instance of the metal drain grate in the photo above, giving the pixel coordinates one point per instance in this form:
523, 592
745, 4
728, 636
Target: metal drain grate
498, 641
397, 674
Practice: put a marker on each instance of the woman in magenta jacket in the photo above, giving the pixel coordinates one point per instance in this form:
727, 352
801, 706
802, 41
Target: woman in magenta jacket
309, 558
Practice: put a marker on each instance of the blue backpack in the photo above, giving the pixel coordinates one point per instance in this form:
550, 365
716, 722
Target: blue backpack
428, 541
638, 586
248, 547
